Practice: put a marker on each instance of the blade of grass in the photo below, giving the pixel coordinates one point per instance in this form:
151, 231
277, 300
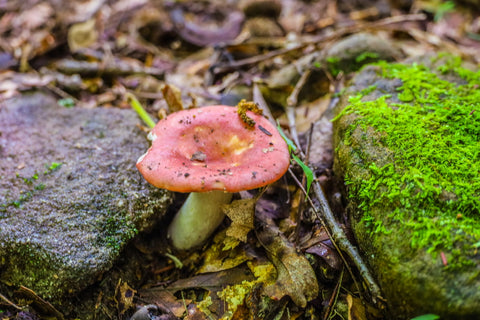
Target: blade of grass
140, 110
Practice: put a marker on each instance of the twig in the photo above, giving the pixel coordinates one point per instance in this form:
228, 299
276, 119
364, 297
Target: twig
325, 214
315, 40
327, 230
262, 104
107, 68
226, 67
323, 211
10, 303
334, 297
292, 101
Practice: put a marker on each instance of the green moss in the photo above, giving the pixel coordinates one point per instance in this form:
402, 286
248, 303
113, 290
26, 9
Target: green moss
432, 186
333, 65
32, 185
117, 230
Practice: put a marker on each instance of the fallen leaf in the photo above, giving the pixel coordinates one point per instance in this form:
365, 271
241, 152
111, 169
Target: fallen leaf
173, 96
165, 299
224, 253
124, 296
359, 309
35, 17
214, 281
82, 35
241, 212
295, 276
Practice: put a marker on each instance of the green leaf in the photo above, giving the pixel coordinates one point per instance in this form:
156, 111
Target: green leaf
426, 317
290, 144
306, 169
292, 148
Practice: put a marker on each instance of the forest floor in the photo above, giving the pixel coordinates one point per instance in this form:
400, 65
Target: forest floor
181, 54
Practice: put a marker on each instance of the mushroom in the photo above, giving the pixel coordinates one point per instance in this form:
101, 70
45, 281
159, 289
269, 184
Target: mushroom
211, 152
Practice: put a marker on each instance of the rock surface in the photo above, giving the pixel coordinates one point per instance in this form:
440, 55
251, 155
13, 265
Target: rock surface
70, 195
441, 276
351, 53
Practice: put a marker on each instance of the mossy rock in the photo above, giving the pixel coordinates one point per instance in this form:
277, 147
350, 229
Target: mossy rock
71, 198
407, 146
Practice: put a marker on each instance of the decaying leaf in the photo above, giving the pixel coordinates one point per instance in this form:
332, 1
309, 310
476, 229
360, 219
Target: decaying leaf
224, 253
241, 212
165, 300
173, 97
82, 35
296, 277
124, 296
361, 310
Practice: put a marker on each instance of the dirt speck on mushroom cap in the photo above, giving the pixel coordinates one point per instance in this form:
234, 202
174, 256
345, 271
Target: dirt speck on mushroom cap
210, 148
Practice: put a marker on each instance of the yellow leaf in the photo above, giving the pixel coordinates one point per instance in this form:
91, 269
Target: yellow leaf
241, 212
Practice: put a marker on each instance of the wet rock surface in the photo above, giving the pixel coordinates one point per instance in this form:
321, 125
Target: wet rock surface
414, 280
70, 195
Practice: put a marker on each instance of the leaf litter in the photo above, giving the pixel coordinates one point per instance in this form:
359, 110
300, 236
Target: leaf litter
274, 254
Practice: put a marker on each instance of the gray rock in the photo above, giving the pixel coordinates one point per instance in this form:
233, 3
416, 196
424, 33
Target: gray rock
440, 276
70, 195
354, 51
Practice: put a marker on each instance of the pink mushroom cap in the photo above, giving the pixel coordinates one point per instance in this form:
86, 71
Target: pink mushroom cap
211, 148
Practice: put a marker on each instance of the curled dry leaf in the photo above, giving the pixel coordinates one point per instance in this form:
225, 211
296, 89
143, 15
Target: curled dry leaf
295, 276
201, 34
82, 35
224, 253
173, 97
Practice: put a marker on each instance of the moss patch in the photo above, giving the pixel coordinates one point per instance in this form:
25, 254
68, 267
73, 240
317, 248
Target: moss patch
432, 184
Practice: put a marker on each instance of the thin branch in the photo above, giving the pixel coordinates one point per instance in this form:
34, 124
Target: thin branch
10, 303
315, 40
323, 211
292, 101
327, 230
325, 214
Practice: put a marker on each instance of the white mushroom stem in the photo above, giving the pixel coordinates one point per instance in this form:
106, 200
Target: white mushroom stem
198, 218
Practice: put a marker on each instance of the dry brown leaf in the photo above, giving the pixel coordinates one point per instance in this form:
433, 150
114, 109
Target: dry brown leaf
82, 35
166, 300
124, 295
241, 212
296, 277
215, 281
308, 113
173, 96
359, 309
35, 17
356, 311
223, 254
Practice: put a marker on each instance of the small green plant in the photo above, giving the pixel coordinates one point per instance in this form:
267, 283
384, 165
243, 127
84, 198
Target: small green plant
137, 106
443, 8
67, 103
54, 166
292, 148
